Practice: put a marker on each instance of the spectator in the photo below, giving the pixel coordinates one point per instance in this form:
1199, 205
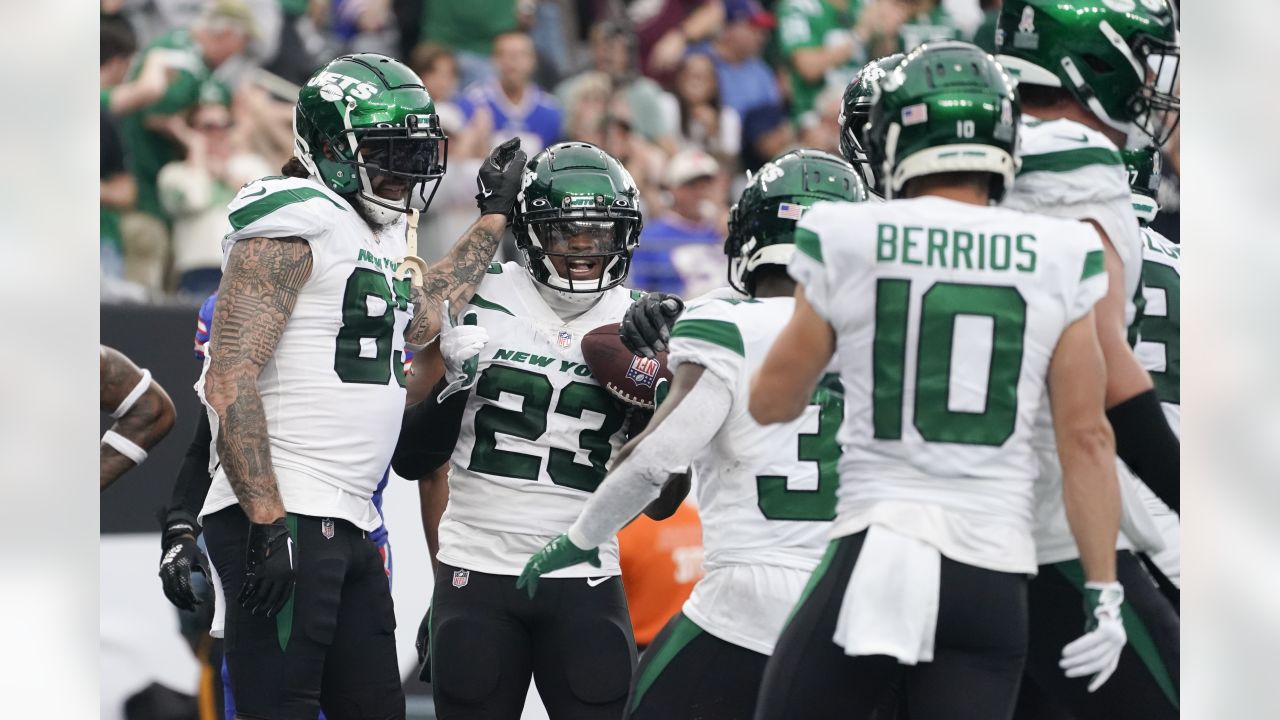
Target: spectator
820, 128
682, 251
221, 32
470, 27
767, 132
818, 45
641, 158
117, 190
892, 26
117, 45
985, 36
195, 192
613, 53
665, 29
586, 108
703, 123
516, 105
746, 81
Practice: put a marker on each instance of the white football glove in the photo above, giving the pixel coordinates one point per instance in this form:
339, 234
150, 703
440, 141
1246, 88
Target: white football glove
1097, 652
460, 347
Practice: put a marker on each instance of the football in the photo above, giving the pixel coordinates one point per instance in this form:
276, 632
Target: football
629, 377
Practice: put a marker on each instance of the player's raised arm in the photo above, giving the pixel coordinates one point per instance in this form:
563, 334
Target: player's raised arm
255, 300
454, 279
142, 410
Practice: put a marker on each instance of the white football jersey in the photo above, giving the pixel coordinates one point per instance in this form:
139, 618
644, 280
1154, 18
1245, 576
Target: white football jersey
333, 391
946, 315
766, 494
1159, 346
537, 434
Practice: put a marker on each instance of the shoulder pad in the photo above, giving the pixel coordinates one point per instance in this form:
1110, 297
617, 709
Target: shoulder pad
277, 206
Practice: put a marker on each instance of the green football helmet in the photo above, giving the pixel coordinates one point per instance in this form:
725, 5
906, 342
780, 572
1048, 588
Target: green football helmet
367, 114
1144, 181
1117, 57
855, 110
762, 224
579, 205
948, 107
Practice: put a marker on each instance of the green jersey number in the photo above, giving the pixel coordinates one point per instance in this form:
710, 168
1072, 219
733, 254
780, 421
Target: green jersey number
776, 500
1163, 329
942, 303
530, 423
362, 327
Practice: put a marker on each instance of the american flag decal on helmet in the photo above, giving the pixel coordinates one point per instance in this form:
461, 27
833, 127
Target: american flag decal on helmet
643, 371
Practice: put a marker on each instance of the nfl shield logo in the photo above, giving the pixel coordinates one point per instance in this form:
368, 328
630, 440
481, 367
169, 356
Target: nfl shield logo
461, 577
642, 370
565, 339
326, 528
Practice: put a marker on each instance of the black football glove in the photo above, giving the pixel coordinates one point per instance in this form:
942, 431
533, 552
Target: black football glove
423, 645
646, 326
179, 556
499, 178
269, 573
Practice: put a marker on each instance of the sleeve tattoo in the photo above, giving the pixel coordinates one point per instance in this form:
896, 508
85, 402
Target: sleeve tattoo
255, 300
454, 279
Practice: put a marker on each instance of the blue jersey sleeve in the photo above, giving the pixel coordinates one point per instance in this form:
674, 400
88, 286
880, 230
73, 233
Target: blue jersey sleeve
204, 321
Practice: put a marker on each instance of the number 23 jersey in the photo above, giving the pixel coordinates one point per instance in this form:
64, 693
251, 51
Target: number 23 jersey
333, 391
537, 434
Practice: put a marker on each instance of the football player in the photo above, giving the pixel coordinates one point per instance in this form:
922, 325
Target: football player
141, 409
951, 320
304, 383
765, 494
1094, 75
1159, 340
855, 110
537, 434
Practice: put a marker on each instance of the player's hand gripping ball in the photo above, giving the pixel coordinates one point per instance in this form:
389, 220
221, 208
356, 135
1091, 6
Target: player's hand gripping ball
632, 378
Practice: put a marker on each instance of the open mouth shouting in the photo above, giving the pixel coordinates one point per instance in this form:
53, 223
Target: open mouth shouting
583, 268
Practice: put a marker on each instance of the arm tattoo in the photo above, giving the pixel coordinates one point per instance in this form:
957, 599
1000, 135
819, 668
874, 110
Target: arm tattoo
146, 423
255, 300
454, 278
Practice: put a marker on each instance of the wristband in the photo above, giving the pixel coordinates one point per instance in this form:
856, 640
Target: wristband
132, 397
124, 446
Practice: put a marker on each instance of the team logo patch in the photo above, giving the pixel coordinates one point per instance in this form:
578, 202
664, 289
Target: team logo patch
461, 578
565, 339
326, 528
643, 371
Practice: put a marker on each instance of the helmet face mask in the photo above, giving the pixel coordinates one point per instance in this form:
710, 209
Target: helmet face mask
1119, 58
367, 117
577, 219
855, 112
762, 223
948, 108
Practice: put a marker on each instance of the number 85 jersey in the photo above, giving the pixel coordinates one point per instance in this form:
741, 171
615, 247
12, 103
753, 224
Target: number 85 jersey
538, 431
333, 391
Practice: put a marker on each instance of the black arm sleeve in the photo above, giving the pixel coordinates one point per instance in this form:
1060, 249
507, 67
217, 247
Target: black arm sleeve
428, 434
193, 479
1148, 446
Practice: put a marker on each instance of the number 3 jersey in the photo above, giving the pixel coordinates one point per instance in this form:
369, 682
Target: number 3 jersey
537, 433
333, 391
766, 493
946, 315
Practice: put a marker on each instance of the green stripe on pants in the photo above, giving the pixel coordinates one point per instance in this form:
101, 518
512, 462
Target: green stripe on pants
284, 621
681, 635
1139, 637
823, 565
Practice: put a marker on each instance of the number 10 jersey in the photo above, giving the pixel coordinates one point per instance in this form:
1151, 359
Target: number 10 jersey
333, 391
537, 434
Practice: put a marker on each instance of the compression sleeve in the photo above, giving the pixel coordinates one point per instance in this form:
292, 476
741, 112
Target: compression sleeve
669, 448
193, 479
1148, 446
428, 433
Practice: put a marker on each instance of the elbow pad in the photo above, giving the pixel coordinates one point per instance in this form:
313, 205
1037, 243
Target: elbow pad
1145, 442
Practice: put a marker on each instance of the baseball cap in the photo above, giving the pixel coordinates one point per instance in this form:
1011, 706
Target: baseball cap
747, 11
689, 165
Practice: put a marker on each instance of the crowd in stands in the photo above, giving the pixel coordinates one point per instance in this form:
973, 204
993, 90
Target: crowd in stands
688, 94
